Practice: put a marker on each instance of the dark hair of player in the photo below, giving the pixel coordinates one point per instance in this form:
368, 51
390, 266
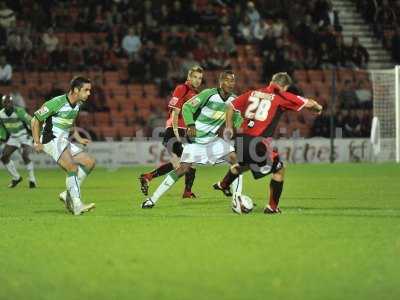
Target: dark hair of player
225, 73
282, 79
78, 82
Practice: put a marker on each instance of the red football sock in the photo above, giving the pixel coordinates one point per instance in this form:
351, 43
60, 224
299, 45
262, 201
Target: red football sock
160, 171
275, 191
228, 179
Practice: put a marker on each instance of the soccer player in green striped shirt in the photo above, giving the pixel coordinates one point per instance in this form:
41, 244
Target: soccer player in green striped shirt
58, 117
14, 125
204, 114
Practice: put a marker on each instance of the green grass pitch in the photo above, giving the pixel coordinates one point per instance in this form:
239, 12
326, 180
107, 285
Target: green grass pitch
338, 238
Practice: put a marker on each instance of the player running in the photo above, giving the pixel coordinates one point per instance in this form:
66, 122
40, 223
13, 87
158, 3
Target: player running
261, 110
58, 116
204, 114
175, 130
15, 125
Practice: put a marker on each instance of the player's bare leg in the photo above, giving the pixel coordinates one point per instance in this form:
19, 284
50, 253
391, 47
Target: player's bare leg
26, 151
168, 182
86, 164
275, 191
9, 164
71, 167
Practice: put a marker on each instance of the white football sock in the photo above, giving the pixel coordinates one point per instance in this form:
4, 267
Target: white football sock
237, 185
73, 189
168, 182
31, 173
82, 174
12, 170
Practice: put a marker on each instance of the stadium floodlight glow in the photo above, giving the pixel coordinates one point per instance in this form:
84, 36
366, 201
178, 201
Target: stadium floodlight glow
386, 106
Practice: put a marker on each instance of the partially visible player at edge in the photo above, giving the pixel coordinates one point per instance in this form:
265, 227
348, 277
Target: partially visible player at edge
59, 115
14, 125
261, 110
175, 130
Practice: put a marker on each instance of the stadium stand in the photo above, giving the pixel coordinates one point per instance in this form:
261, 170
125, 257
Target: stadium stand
47, 43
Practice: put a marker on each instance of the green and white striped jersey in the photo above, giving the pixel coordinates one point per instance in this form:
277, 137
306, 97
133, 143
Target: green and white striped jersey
207, 111
15, 124
59, 116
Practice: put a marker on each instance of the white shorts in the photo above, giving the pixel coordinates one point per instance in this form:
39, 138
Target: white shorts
57, 146
212, 153
19, 141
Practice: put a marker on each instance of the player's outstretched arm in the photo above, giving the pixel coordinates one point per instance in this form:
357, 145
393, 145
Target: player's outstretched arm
36, 125
175, 114
80, 139
228, 131
314, 106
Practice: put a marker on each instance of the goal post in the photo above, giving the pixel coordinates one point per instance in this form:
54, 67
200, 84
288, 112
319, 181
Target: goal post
386, 111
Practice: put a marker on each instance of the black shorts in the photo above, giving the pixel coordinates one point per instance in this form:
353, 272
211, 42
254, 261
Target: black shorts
258, 154
171, 143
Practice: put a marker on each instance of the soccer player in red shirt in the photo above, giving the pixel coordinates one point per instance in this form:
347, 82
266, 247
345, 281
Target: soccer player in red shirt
261, 110
175, 130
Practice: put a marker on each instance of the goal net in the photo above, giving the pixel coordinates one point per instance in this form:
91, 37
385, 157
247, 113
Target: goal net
385, 131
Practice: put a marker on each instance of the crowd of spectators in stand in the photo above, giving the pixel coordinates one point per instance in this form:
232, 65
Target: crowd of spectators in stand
384, 17
158, 41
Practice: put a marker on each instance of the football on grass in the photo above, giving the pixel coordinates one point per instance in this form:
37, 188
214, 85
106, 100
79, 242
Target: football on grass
242, 204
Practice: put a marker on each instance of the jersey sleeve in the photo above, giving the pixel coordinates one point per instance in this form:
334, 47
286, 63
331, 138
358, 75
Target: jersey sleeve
240, 103
47, 109
24, 116
292, 101
192, 105
3, 132
178, 95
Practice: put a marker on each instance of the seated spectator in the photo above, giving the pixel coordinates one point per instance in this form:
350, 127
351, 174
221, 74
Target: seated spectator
244, 31
306, 32
159, 72
174, 42
226, 43
340, 53
329, 17
358, 54
5, 71
348, 97
385, 18
252, 13
364, 94
321, 126
325, 59
7, 16
59, 58
191, 41
279, 28
352, 125
209, 19
310, 60
261, 29
136, 69
50, 40
200, 53
131, 43
268, 43
218, 59
75, 57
